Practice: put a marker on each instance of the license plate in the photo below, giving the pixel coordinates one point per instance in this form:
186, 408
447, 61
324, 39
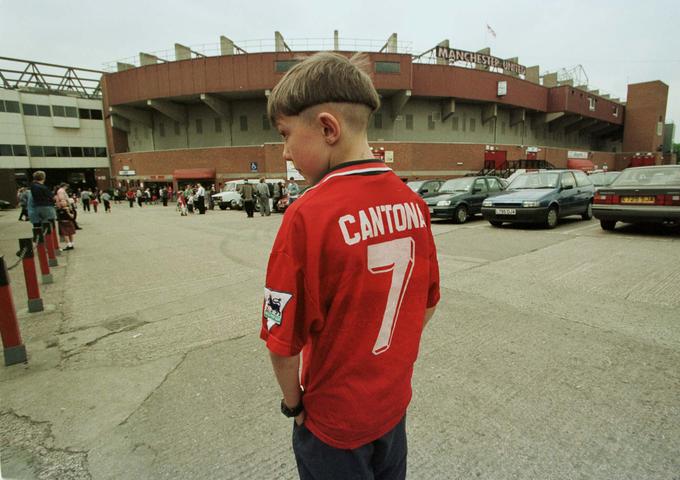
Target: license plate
506, 211
431, 210
638, 199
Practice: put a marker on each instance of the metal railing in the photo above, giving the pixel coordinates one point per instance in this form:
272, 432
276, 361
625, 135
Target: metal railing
244, 47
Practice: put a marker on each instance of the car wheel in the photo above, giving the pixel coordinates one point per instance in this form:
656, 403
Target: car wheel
233, 205
588, 214
551, 218
223, 207
495, 223
608, 224
460, 214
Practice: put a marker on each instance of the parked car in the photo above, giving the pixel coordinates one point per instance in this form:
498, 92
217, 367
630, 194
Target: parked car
600, 178
229, 197
5, 205
461, 198
640, 195
542, 197
425, 187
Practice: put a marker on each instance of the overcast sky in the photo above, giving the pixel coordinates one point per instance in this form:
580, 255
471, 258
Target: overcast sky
616, 42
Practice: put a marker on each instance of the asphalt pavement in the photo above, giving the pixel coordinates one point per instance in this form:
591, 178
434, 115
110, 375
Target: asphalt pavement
554, 354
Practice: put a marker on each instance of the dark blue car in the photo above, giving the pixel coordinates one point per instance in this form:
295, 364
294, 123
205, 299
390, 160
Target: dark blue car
542, 197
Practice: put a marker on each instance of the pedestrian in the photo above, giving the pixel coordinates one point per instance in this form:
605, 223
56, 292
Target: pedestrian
116, 195
106, 198
200, 199
67, 228
95, 203
139, 197
42, 201
23, 197
164, 196
293, 190
350, 284
85, 199
182, 204
262, 190
277, 196
211, 200
247, 191
130, 195
191, 199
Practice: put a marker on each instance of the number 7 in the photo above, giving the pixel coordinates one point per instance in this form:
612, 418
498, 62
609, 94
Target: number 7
396, 256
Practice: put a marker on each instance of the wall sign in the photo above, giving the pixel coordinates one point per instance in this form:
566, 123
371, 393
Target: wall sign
453, 55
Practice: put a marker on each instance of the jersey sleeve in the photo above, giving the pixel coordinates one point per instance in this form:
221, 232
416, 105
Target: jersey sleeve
288, 310
433, 294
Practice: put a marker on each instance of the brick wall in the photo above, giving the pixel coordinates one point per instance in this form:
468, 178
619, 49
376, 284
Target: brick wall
645, 108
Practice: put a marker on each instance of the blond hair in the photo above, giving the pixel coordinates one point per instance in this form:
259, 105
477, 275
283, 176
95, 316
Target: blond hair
325, 77
39, 175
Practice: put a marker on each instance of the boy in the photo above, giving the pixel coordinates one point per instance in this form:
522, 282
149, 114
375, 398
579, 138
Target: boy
351, 282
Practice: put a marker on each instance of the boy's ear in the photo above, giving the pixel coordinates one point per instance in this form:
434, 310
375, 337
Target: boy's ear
331, 127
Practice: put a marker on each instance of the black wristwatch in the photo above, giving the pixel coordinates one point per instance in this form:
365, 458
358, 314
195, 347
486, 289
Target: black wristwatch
292, 412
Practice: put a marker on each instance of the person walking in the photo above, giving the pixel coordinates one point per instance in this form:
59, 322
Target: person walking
106, 198
247, 191
85, 199
139, 197
200, 199
130, 195
263, 197
164, 196
23, 196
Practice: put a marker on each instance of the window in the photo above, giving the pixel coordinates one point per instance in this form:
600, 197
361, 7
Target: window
177, 130
5, 150
84, 113
568, 179
199, 126
479, 186
266, 124
502, 128
58, 111
377, 120
615, 111
454, 124
409, 121
96, 114
282, 66
36, 151
473, 124
387, 67
63, 152
30, 110
582, 179
88, 151
464, 122
100, 151
592, 103
44, 111
218, 125
494, 185
76, 151
11, 106
50, 151
244, 123
430, 122
19, 150
2, 105
71, 112
161, 129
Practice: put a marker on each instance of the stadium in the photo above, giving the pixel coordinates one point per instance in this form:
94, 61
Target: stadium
200, 113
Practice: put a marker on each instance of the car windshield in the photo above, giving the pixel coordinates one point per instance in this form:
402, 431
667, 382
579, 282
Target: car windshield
457, 185
415, 185
600, 179
662, 176
535, 180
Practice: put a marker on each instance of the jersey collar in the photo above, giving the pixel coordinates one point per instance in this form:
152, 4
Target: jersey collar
357, 167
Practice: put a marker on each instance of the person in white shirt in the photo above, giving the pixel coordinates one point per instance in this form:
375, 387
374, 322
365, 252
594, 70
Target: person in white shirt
200, 199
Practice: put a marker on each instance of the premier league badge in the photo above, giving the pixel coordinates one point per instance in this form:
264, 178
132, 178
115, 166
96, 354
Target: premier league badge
274, 303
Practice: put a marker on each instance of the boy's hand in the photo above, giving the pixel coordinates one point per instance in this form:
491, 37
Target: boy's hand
300, 419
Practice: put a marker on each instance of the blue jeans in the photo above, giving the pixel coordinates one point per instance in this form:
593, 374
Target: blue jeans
382, 459
40, 215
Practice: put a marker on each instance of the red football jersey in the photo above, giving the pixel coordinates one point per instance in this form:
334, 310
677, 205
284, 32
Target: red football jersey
352, 270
